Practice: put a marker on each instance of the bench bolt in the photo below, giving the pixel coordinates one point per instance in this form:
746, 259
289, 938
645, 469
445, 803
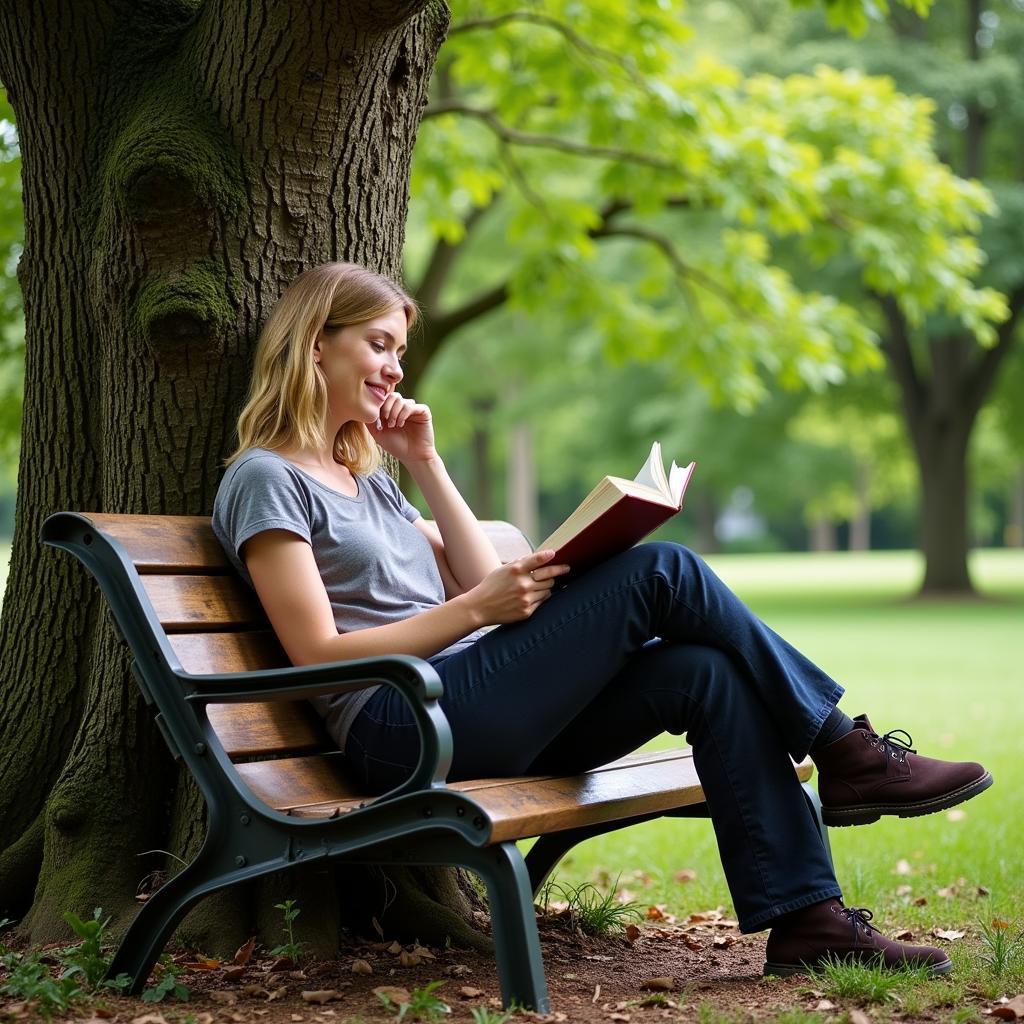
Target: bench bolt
244, 819
427, 812
200, 748
478, 822
240, 861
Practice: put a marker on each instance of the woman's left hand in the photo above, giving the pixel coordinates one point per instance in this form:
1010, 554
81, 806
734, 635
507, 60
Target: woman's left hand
406, 430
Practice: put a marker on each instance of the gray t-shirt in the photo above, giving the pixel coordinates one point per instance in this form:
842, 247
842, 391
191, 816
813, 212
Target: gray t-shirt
376, 566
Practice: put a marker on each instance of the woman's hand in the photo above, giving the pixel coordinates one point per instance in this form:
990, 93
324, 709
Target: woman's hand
406, 430
515, 591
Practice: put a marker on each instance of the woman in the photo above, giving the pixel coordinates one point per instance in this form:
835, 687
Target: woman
648, 642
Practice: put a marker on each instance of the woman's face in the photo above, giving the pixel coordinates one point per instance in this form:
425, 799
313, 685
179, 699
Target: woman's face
361, 364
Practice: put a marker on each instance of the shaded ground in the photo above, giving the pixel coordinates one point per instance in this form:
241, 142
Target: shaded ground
694, 970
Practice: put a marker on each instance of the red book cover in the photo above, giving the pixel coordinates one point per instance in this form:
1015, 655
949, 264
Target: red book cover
628, 521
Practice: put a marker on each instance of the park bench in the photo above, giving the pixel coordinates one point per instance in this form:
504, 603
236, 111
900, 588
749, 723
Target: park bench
232, 708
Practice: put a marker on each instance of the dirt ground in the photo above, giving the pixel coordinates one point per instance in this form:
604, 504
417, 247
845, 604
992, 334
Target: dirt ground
662, 970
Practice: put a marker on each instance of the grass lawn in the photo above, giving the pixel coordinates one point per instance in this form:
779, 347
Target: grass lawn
950, 673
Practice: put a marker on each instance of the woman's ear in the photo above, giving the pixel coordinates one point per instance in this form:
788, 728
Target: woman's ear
316, 345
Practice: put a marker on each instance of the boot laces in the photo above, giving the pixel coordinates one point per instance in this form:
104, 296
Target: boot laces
893, 743
859, 916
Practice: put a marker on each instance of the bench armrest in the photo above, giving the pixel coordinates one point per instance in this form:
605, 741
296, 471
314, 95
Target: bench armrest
414, 678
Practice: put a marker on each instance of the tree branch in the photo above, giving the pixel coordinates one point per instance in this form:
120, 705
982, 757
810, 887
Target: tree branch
442, 259
546, 20
519, 138
982, 375
683, 269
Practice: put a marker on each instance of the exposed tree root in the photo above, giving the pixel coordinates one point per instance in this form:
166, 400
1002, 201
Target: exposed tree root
19, 870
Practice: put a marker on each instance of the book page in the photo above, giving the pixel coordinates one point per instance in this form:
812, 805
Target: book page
678, 478
652, 473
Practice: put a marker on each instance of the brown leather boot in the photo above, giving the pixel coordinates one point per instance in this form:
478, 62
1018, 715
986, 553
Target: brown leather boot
829, 931
863, 776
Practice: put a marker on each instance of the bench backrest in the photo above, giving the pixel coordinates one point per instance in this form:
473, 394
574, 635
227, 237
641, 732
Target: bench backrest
214, 623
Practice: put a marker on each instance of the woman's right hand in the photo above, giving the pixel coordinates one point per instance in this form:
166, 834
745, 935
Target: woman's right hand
514, 591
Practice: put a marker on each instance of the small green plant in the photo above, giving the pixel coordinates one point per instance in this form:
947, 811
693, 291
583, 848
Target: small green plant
964, 1015
598, 913
291, 948
422, 1004
865, 982
5, 923
167, 983
29, 979
999, 950
87, 961
485, 1015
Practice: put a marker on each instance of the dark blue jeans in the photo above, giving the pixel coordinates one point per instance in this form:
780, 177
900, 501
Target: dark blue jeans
650, 641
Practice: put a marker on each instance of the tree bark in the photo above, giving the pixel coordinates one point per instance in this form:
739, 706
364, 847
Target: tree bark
182, 163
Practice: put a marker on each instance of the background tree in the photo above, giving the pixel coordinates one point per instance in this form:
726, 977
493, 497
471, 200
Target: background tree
969, 58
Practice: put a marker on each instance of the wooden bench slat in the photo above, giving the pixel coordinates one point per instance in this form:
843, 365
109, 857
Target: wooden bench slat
203, 603
208, 653
519, 807
165, 544
248, 730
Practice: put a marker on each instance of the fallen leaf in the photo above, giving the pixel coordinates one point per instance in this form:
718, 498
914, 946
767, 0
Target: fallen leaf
282, 963
297, 975
223, 996
948, 933
361, 967
859, 1017
903, 867
407, 959
276, 994
705, 916
903, 890
423, 952
692, 942
244, 953
254, 990
1012, 1009
395, 948
824, 1004
656, 913
203, 964
626, 896
686, 875
920, 901
103, 1012
468, 992
632, 932
723, 941
457, 970
662, 984
982, 891
394, 993
233, 973
296, 1017
957, 814
150, 1018
597, 994
904, 936
376, 927
999, 923
321, 996
622, 1017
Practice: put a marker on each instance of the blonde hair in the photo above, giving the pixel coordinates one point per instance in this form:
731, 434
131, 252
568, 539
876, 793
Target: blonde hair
287, 402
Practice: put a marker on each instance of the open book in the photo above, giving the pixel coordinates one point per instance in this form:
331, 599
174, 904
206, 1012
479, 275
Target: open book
617, 513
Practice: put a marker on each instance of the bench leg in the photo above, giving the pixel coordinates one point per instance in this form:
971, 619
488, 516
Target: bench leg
814, 804
149, 932
514, 927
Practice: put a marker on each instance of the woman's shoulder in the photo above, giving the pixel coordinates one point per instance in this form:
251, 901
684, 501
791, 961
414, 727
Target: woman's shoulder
262, 470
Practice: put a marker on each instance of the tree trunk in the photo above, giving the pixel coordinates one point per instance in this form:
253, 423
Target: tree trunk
860, 524
523, 501
707, 518
483, 409
182, 163
822, 535
1015, 526
942, 464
